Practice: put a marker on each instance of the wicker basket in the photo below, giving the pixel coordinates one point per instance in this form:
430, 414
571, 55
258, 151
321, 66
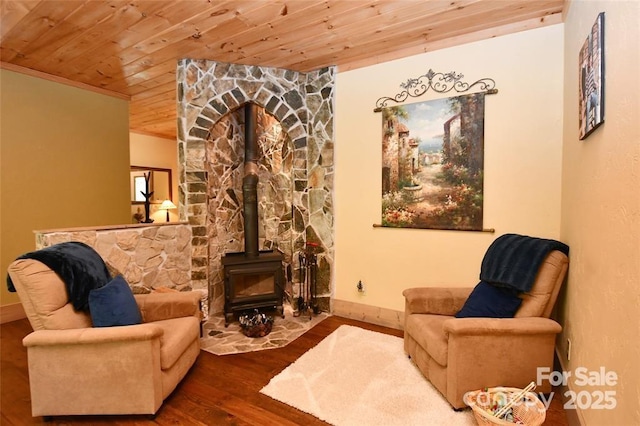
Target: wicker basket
529, 410
258, 330
255, 324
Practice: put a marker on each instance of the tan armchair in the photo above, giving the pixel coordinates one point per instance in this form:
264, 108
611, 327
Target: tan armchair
458, 355
76, 369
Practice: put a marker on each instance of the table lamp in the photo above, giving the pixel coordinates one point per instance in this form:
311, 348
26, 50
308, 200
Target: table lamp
167, 205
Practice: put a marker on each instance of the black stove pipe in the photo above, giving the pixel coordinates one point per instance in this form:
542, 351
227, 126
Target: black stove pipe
250, 182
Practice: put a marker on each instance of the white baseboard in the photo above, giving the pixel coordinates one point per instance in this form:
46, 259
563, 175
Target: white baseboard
371, 314
12, 312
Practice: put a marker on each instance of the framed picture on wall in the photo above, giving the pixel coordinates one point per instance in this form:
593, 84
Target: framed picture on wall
433, 164
591, 62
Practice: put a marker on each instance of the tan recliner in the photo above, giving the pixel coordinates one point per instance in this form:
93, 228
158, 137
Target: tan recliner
77, 369
458, 355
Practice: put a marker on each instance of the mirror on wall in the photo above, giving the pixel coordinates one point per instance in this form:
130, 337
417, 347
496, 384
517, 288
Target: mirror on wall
159, 183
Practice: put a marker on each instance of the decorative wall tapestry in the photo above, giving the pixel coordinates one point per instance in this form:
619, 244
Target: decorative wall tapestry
433, 157
591, 61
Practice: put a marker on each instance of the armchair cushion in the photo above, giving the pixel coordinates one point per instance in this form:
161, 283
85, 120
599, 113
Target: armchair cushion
540, 300
78, 265
490, 301
162, 306
177, 335
114, 305
428, 331
44, 297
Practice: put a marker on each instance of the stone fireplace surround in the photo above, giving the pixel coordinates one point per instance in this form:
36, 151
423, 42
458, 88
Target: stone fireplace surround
296, 167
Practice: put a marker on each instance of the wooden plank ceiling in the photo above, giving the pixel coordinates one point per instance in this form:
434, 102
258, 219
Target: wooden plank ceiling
130, 48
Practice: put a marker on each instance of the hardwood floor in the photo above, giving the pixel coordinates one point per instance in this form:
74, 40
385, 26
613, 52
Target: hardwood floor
218, 390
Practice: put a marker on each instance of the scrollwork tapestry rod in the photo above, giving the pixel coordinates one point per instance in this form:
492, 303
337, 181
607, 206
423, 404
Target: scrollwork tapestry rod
438, 82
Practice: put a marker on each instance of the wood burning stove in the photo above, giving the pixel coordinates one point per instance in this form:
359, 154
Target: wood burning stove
253, 278
251, 283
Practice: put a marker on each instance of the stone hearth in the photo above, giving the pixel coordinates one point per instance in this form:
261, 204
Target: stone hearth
295, 166
221, 340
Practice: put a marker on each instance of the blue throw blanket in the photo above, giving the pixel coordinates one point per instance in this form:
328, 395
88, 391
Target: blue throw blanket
513, 260
78, 265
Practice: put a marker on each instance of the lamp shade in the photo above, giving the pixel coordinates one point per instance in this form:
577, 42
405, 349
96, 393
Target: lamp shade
167, 205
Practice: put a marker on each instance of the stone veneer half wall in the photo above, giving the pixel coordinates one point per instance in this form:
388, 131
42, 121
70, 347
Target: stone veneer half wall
209, 160
150, 257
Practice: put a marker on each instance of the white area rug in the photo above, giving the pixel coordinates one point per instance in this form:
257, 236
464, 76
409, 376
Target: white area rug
361, 377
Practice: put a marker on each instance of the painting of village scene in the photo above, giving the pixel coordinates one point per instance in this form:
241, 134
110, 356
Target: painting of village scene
432, 164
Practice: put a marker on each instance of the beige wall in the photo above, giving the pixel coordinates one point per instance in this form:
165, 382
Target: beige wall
601, 212
152, 151
64, 162
523, 155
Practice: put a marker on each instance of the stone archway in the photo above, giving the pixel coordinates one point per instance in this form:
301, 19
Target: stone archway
302, 103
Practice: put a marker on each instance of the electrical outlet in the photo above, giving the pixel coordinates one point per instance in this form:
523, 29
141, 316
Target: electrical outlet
568, 349
360, 286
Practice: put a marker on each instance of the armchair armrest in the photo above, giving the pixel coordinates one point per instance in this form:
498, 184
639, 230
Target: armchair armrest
500, 326
92, 336
435, 300
162, 306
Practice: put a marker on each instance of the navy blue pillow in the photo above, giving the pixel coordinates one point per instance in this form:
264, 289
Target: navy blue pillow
489, 301
114, 304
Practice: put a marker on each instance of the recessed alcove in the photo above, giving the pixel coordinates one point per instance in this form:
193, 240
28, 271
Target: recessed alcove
226, 163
